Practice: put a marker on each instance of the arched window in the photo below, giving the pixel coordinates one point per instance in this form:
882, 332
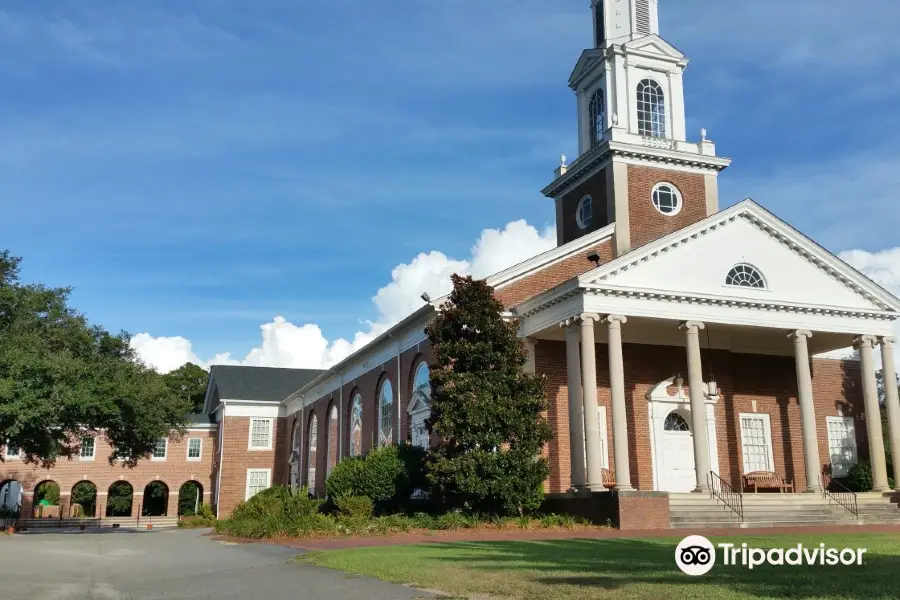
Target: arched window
313, 437
651, 109
598, 117
385, 422
744, 275
356, 415
420, 406
675, 422
331, 448
584, 212
666, 199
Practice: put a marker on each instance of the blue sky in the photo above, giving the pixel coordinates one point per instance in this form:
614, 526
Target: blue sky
196, 168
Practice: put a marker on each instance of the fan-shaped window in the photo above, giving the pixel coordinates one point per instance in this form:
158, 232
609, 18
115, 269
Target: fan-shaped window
744, 275
584, 212
385, 422
675, 422
651, 109
356, 414
598, 117
666, 199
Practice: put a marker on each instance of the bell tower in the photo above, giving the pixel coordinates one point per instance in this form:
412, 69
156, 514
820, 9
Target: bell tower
636, 167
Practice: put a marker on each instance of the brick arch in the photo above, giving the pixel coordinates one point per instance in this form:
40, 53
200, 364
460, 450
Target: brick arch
62, 506
145, 500
385, 376
19, 490
109, 508
86, 511
200, 494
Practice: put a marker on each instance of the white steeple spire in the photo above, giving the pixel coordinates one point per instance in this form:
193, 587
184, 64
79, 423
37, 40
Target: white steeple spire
618, 21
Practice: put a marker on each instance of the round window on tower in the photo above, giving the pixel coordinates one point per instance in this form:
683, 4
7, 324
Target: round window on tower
584, 212
667, 199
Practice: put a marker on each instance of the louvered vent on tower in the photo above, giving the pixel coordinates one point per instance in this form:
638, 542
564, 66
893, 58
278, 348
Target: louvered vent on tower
599, 25
642, 16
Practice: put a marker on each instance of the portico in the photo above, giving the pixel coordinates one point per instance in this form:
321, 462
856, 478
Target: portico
652, 358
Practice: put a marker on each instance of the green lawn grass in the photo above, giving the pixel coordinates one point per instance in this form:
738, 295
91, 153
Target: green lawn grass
622, 568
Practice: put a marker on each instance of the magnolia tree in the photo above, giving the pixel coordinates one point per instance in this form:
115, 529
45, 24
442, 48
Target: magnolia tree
486, 409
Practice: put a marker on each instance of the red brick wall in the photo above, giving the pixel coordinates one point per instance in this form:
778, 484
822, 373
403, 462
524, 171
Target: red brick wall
647, 223
174, 471
742, 378
553, 275
238, 458
595, 187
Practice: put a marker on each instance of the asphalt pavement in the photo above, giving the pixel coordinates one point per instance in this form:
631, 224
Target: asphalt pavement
182, 564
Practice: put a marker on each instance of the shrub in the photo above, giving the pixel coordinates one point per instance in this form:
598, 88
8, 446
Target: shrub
553, 521
859, 478
388, 476
422, 520
344, 478
206, 512
355, 507
453, 520
277, 502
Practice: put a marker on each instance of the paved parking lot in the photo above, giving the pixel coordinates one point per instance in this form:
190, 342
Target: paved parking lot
169, 564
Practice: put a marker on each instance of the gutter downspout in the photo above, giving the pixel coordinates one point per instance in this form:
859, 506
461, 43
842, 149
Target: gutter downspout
221, 453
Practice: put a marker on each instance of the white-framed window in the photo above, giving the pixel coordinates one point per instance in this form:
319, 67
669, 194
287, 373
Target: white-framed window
194, 448
841, 444
745, 275
584, 212
385, 420
257, 481
666, 199
312, 450
159, 449
356, 420
88, 448
12, 452
260, 434
598, 117
756, 442
651, 109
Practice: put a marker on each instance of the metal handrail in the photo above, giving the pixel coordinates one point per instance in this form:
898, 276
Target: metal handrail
843, 496
727, 494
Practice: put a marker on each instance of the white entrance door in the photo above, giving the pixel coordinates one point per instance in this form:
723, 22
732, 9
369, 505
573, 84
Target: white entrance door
418, 429
678, 473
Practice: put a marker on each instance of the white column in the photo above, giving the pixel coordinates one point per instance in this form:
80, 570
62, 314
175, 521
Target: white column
530, 349
591, 409
617, 392
873, 414
807, 410
892, 403
576, 405
700, 432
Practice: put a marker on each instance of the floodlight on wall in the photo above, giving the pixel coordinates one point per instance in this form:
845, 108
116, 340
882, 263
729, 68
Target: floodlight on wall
594, 258
426, 297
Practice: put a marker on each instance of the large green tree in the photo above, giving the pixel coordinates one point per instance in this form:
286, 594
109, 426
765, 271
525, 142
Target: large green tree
485, 408
60, 377
189, 382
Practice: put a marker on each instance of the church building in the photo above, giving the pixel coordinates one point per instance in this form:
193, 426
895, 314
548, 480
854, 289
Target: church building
680, 342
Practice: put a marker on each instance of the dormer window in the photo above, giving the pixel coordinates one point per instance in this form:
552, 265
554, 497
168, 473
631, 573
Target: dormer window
744, 275
598, 117
584, 212
651, 109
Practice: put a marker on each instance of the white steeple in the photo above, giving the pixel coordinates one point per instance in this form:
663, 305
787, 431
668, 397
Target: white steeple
618, 21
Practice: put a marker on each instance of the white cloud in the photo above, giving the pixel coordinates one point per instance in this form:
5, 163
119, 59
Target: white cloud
285, 344
882, 267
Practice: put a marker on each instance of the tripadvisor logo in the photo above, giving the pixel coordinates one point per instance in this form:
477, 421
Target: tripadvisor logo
696, 556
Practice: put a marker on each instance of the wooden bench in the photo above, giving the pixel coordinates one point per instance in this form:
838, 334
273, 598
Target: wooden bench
766, 480
609, 479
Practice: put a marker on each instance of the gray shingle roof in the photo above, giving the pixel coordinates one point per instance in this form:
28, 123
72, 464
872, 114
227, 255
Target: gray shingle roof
259, 383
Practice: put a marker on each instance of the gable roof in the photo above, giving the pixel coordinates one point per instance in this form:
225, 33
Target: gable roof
258, 383
789, 237
647, 271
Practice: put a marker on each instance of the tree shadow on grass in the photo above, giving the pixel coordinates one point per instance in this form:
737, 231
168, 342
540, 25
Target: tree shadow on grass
613, 564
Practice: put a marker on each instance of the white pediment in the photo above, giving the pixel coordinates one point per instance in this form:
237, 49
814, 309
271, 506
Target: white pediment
653, 44
587, 62
696, 262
